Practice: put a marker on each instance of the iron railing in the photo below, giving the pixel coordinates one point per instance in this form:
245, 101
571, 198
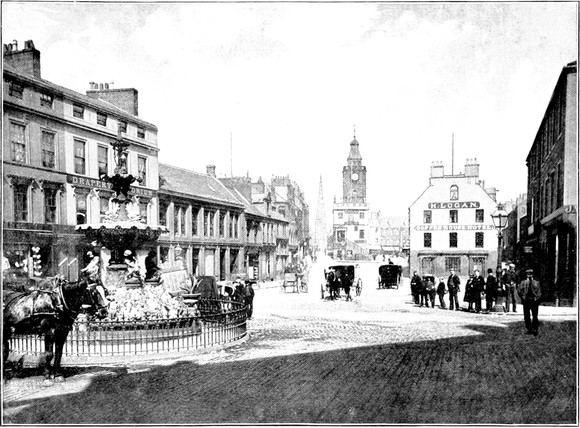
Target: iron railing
219, 322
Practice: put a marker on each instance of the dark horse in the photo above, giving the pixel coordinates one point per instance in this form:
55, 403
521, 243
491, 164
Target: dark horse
50, 312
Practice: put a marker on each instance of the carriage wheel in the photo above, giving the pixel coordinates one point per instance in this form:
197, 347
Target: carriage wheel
322, 291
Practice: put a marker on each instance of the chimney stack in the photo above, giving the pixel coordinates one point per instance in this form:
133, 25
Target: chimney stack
126, 99
211, 170
471, 168
26, 60
437, 169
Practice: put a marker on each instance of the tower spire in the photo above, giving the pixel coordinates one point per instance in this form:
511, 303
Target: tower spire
354, 131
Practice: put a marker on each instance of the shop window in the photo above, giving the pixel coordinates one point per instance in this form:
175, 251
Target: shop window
47, 143
81, 208
478, 239
453, 240
427, 216
427, 265
80, 161
79, 111
21, 202
18, 142
103, 205
479, 215
453, 263
453, 216
49, 205
427, 240
103, 161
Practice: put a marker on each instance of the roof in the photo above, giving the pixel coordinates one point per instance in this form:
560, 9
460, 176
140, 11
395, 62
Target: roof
69, 93
194, 184
354, 151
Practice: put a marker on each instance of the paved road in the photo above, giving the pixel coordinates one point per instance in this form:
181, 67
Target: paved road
378, 359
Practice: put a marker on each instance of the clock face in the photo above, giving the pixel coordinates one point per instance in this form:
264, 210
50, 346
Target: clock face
354, 176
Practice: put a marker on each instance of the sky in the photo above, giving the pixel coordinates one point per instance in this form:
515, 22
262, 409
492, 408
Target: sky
276, 89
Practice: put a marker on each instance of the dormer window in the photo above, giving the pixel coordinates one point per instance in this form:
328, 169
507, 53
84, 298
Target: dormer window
101, 118
15, 90
140, 132
79, 111
454, 193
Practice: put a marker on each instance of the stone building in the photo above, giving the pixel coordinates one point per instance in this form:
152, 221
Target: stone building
450, 224
553, 192
57, 147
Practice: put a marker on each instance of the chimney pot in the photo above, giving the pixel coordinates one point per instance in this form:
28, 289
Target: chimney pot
211, 170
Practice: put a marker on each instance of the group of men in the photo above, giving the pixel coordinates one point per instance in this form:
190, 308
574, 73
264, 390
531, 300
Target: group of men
495, 291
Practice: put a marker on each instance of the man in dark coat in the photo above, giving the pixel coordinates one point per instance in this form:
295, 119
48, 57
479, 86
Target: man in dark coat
490, 289
530, 293
248, 294
416, 286
478, 288
453, 287
509, 281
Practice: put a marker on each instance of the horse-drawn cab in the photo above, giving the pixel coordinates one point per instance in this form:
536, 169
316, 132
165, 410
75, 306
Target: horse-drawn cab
339, 277
389, 276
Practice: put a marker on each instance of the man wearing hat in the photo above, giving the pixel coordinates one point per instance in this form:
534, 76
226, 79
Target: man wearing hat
530, 292
490, 289
509, 281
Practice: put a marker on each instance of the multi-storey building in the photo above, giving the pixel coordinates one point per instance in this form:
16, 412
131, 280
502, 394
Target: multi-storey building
205, 222
553, 192
320, 228
450, 224
57, 147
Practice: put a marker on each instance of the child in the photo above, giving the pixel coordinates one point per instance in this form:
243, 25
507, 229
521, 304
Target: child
441, 292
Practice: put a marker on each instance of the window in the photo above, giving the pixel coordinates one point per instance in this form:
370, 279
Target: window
206, 224
79, 111
18, 142
81, 202
46, 100
427, 216
361, 234
478, 239
340, 235
176, 211
15, 90
194, 215
103, 161
340, 215
427, 240
479, 216
143, 211
103, 204
453, 240
47, 143
235, 225
122, 126
452, 216
559, 192
211, 223
427, 265
453, 263
20, 202
182, 220
49, 205
222, 225
361, 214
142, 169
140, 132
163, 213
454, 193
80, 157
101, 119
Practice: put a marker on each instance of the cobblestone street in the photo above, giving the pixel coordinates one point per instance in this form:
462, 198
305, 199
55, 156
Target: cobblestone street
378, 359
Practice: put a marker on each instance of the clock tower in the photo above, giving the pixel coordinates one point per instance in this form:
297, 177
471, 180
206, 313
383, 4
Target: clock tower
354, 176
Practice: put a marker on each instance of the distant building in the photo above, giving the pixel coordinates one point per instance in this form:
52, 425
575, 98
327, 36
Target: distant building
553, 192
56, 147
320, 227
450, 224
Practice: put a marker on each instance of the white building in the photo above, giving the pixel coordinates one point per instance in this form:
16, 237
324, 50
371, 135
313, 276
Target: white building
451, 226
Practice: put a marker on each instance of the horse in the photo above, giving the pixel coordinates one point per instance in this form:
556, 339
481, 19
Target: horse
48, 312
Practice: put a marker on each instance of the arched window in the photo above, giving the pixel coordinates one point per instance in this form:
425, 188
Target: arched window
454, 193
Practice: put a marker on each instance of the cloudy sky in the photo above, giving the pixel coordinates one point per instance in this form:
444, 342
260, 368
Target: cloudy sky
288, 81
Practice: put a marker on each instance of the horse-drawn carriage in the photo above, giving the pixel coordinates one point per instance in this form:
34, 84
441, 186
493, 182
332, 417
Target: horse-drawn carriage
295, 282
337, 277
389, 276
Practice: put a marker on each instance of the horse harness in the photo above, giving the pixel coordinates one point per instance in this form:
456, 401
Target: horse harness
61, 309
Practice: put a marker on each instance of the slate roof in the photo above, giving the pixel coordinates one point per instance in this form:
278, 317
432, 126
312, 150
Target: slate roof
194, 184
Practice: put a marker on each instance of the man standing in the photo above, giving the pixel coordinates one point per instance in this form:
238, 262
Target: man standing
509, 280
248, 293
478, 287
530, 292
453, 286
490, 289
416, 285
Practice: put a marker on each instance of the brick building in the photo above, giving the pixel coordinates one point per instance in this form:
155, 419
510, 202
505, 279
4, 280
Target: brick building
553, 192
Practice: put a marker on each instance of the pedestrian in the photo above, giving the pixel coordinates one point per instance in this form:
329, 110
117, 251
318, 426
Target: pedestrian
453, 287
430, 291
347, 283
468, 295
249, 299
416, 285
478, 289
530, 293
441, 293
490, 290
509, 281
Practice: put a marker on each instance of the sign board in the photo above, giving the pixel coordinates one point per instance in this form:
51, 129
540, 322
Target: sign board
434, 227
452, 205
93, 183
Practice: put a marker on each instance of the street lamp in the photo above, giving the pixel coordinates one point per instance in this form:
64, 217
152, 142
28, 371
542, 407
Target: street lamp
500, 220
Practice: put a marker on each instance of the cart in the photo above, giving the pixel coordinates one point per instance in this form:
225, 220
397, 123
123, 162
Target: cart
389, 276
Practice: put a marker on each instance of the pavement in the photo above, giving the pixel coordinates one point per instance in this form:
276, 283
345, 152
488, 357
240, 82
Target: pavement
376, 360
